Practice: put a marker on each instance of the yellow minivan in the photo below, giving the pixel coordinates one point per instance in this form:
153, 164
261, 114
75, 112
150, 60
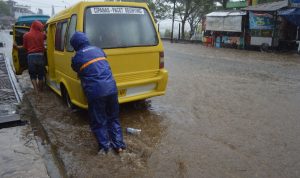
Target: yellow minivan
22, 26
125, 31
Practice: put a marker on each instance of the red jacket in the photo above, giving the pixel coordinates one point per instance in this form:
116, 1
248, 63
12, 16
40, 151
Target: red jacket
33, 41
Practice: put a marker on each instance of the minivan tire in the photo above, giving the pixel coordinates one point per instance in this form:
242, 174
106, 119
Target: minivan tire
66, 98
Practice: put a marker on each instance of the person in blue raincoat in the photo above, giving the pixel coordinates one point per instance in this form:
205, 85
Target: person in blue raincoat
101, 91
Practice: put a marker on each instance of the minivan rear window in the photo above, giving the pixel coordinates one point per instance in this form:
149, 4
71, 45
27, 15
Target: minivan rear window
20, 31
117, 27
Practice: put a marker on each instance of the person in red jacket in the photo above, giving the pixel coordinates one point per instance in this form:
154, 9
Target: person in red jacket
33, 42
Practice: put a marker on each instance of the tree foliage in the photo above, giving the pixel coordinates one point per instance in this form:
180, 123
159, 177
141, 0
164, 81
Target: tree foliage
223, 2
4, 9
204, 7
167, 33
160, 10
191, 11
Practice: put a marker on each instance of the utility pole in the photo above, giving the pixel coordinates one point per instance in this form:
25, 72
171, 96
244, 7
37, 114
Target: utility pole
179, 31
173, 18
52, 14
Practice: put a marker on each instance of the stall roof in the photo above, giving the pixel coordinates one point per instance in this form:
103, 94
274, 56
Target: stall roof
290, 12
292, 15
274, 6
225, 13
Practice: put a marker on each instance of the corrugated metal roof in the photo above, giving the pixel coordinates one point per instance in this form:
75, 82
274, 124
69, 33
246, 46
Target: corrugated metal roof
273, 6
225, 13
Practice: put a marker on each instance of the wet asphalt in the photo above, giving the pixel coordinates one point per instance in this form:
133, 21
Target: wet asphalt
226, 113
20, 154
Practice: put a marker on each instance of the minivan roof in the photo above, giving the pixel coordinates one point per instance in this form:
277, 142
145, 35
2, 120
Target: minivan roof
28, 19
82, 5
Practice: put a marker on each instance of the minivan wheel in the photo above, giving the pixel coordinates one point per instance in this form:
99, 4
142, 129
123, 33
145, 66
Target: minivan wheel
140, 104
67, 99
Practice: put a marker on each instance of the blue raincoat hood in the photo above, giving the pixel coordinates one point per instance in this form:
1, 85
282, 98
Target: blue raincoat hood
79, 41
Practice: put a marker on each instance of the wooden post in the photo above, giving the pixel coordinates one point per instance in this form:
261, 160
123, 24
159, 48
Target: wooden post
297, 36
244, 29
173, 18
179, 31
274, 28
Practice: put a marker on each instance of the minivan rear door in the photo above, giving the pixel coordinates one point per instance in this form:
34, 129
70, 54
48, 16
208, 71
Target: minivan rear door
127, 35
19, 55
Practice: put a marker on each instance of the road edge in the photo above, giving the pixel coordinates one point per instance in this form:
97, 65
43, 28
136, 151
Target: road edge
45, 145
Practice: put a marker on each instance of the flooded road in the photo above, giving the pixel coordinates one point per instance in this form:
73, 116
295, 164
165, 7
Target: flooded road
75, 145
227, 113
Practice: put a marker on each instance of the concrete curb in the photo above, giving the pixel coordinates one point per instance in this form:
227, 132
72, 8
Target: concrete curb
45, 151
13, 80
18, 141
10, 98
54, 163
47, 154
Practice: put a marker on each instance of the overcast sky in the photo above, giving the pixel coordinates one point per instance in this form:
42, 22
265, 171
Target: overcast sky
46, 5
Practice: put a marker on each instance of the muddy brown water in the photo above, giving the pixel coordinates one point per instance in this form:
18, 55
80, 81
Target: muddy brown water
227, 113
76, 146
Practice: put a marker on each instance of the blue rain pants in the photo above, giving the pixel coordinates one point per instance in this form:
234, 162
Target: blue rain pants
104, 122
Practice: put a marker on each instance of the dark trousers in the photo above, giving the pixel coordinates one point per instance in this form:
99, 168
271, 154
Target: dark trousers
36, 66
104, 122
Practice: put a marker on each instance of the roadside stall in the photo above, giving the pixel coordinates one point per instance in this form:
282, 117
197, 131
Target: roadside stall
263, 24
226, 29
293, 16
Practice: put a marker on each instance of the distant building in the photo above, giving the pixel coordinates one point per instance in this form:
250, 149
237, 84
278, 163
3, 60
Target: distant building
53, 12
19, 10
40, 11
6, 21
11, 5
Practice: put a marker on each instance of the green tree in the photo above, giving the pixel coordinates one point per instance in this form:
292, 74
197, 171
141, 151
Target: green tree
265, 1
160, 9
223, 2
4, 9
195, 17
167, 33
190, 10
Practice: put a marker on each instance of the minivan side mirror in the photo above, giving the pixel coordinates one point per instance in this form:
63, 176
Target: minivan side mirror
11, 32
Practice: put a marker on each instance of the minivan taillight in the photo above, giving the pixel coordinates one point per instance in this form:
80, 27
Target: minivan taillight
161, 60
